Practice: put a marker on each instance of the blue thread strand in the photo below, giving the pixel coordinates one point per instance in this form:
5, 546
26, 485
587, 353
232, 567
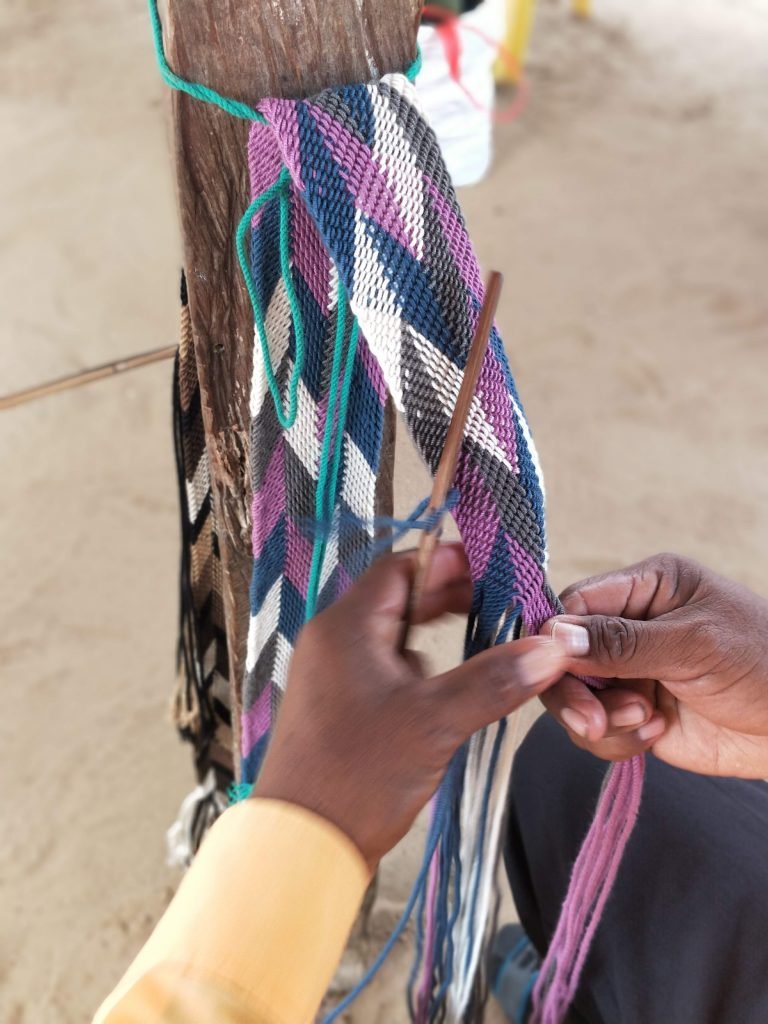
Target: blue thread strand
455, 781
525, 999
419, 945
432, 841
416, 520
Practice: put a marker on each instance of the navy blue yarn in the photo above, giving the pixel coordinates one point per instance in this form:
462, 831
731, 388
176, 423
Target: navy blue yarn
451, 864
449, 795
442, 992
270, 564
347, 520
442, 810
364, 413
418, 947
314, 153
409, 280
250, 766
495, 600
291, 617
265, 240
358, 101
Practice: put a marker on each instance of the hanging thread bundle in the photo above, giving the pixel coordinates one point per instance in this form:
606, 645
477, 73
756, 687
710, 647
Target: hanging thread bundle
364, 284
200, 707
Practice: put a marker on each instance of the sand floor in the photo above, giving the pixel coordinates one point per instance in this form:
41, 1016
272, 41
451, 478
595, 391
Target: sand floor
628, 211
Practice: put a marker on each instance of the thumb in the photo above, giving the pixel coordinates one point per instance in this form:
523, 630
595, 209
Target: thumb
611, 646
496, 682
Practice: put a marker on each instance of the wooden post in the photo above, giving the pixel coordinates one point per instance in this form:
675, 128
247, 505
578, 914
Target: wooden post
249, 49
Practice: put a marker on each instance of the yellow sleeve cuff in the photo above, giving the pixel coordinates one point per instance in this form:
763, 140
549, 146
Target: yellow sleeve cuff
266, 908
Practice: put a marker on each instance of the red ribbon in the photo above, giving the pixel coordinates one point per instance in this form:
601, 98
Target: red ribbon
447, 26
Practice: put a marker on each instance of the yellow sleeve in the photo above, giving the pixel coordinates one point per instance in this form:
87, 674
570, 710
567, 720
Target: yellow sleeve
256, 928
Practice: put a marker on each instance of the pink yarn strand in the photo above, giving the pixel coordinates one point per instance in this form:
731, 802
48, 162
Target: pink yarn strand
425, 989
594, 873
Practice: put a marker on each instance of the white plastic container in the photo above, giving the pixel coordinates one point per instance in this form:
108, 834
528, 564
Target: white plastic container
464, 129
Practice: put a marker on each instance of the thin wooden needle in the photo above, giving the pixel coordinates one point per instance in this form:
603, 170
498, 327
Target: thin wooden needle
446, 469
74, 380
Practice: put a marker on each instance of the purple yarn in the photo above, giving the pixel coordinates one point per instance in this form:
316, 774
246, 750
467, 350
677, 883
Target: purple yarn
592, 879
425, 989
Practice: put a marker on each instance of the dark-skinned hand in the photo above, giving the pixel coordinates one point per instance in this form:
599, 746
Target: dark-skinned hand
688, 651
364, 734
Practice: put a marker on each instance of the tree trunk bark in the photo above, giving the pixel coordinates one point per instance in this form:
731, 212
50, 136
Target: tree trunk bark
249, 49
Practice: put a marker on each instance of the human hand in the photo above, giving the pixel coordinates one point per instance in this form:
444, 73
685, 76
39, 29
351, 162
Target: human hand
690, 652
364, 734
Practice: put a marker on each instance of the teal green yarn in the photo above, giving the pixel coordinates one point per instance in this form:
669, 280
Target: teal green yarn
319, 546
413, 70
239, 791
195, 89
342, 418
328, 476
207, 95
280, 188
329, 468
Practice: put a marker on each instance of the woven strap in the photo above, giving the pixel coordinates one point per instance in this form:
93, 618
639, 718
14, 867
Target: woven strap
371, 205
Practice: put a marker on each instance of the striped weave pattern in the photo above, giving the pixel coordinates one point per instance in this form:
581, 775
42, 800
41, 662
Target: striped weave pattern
201, 704
371, 204
371, 201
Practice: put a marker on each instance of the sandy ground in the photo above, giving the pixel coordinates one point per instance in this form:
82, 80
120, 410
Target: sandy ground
628, 211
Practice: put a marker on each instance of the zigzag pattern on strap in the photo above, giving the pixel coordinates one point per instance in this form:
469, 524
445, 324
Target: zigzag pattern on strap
371, 201
201, 707
386, 211
285, 463
373, 216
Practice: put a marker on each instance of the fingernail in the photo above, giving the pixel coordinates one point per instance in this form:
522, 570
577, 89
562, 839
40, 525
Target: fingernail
575, 639
575, 721
535, 666
630, 714
651, 730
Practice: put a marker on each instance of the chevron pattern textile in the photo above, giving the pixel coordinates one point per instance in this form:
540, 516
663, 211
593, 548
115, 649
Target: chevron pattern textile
371, 201
371, 204
285, 463
201, 704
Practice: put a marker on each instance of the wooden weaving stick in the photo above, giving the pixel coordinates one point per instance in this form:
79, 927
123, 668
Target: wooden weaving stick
74, 380
446, 468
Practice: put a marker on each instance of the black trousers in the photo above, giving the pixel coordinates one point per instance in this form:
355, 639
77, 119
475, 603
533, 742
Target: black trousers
684, 936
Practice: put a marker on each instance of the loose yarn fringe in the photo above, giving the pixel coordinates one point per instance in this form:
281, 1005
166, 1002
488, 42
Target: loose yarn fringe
592, 878
201, 702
